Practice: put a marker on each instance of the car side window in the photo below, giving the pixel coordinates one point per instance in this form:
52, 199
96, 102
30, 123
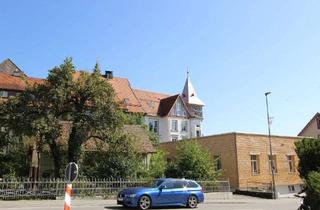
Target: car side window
192, 185
168, 185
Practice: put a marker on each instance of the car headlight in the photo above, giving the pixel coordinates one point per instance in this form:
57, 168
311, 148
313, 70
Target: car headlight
131, 195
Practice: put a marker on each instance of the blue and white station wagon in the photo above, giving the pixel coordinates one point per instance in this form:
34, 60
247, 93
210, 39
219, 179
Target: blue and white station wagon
163, 192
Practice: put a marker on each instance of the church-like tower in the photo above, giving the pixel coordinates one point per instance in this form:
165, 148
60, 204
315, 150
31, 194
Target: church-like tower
195, 106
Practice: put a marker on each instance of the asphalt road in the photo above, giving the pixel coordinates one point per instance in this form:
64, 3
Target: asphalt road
243, 203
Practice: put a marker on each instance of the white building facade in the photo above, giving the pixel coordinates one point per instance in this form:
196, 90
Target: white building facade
177, 117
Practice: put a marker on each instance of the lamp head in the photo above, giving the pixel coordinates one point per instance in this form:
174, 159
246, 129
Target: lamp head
267, 93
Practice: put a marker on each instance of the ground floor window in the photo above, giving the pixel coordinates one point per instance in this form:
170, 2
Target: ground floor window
217, 162
255, 164
291, 188
273, 161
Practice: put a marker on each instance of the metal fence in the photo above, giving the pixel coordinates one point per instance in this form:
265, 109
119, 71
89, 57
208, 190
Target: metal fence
53, 188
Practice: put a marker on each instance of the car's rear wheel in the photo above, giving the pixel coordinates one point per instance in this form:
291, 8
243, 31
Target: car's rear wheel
192, 201
144, 202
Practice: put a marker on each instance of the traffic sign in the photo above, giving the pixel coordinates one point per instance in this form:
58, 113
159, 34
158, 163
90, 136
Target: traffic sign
72, 172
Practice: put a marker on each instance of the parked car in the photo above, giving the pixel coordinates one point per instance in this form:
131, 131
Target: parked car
163, 192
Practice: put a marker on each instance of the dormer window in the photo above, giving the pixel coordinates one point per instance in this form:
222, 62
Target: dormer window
126, 100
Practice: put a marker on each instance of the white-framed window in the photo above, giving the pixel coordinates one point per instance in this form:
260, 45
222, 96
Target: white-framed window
174, 125
184, 126
255, 164
174, 138
154, 125
291, 163
4, 94
273, 161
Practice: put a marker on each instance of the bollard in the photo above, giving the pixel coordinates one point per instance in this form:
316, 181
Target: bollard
67, 198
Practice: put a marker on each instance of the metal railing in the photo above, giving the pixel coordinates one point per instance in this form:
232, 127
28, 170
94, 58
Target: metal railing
53, 188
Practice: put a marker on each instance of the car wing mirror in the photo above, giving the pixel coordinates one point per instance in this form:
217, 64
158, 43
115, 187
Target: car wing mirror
161, 187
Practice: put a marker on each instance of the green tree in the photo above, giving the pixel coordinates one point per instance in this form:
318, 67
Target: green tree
87, 101
120, 159
27, 116
308, 151
158, 164
192, 161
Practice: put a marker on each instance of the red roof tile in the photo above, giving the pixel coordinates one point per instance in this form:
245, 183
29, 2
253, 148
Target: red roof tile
150, 101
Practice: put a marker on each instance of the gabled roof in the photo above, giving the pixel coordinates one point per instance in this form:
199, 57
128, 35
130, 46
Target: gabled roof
150, 101
166, 105
8, 67
309, 123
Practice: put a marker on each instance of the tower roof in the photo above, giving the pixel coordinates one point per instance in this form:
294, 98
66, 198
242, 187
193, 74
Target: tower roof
189, 94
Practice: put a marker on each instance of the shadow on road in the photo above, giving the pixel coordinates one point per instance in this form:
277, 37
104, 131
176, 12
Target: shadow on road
130, 208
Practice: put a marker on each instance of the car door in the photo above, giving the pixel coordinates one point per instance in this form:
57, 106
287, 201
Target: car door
180, 191
165, 195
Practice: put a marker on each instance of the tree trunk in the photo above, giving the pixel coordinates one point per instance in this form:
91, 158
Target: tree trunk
56, 155
74, 146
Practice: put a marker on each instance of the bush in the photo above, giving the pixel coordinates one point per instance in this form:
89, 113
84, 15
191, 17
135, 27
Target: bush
192, 161
308, 151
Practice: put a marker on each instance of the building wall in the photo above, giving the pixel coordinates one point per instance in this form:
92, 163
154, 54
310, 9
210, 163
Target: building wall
164, 127
312, 130
223, 145
253, 144
235, 150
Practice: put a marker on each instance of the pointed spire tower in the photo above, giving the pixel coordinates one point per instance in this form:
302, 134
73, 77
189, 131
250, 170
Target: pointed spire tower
191, 99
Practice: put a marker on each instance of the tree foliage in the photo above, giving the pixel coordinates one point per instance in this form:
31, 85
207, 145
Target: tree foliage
84, 100
192, 161
119, 160
308, 151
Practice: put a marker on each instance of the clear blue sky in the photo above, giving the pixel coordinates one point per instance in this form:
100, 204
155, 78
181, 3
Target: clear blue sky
235, 50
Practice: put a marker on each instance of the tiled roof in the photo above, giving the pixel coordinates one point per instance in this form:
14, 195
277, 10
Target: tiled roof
125, 94
141, 138
150, 101
132, 100
8, 67
9, 82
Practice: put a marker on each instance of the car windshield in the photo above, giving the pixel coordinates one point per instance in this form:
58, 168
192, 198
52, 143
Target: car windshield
156, 183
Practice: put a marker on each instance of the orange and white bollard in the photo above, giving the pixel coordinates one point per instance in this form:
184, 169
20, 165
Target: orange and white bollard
67, 198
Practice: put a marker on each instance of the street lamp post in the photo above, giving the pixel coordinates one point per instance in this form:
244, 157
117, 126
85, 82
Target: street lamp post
273, 187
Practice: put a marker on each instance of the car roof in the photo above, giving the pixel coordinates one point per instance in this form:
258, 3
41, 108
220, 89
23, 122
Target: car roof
174, 179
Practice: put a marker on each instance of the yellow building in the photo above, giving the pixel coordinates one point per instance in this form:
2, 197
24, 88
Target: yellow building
245, 160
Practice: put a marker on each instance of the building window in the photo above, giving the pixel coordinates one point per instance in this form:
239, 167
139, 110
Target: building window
174, 125
291, 188
217, 162
178, 109
154, 126
291, 163
184, 126
3, 94
255, 164
174, 138
273, 161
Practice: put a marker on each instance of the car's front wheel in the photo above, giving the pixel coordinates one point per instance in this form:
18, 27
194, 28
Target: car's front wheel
144, 202
192, 201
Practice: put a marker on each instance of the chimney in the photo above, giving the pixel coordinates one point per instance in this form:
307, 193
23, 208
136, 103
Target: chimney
108, 75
